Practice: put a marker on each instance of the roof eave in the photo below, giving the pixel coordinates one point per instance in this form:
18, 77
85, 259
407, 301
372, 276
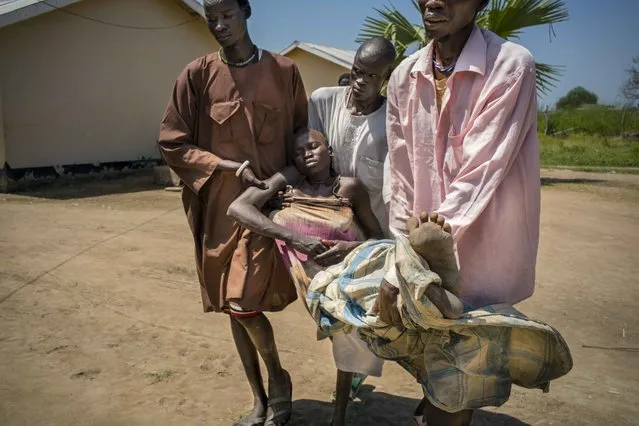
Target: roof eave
37, 7
303, 46
195, 6
31, 10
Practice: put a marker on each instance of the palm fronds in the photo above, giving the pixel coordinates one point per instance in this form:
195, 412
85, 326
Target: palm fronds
506, 18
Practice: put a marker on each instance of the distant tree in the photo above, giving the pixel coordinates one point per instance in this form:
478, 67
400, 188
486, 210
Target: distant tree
630, 90
576, 98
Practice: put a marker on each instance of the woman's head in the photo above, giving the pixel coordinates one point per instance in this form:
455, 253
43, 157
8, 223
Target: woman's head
312, 154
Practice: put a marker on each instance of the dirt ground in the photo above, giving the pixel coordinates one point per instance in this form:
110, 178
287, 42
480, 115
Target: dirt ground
101, 321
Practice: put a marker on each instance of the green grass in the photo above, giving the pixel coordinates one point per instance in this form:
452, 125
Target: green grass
595, 169
588, 151
595, 120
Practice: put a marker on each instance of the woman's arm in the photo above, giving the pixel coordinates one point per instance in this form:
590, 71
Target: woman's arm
246, 211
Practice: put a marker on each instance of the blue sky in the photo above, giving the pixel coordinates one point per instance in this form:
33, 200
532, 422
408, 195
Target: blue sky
596, 45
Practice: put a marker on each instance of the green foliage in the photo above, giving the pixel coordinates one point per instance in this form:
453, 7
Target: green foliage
392, 25
584, 150
600, 120
576, 98
506, 18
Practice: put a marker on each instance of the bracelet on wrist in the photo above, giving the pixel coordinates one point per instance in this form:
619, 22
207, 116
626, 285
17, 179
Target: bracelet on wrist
240, 169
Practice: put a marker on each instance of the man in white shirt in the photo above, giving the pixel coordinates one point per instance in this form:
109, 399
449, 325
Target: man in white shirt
353, 118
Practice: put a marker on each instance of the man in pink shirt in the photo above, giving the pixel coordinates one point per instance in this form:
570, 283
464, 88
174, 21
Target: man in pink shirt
462, 138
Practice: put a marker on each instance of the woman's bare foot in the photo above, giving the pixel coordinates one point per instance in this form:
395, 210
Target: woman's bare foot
431, 239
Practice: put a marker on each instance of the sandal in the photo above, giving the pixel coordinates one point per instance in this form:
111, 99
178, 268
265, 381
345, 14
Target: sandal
283, 415
258, 421
419, 421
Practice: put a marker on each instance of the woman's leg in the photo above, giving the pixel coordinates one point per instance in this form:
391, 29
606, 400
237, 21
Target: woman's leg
352, 356
342, 397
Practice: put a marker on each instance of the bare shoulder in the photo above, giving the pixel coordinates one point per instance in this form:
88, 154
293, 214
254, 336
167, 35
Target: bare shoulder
351, 188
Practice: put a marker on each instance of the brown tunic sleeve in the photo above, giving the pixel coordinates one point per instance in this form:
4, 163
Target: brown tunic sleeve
300, 112
192, 164
300, 117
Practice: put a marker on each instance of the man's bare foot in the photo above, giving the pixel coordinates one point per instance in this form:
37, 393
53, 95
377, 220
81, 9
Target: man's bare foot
430, 236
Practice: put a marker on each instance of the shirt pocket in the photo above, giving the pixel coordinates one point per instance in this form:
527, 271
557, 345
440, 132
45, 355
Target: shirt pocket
371, 173
227, 121
454, 154
267, 120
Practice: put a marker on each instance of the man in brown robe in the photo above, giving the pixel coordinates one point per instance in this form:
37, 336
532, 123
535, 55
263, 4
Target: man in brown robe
229, 124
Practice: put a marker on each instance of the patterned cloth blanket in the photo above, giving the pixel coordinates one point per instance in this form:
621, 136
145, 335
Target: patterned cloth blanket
466, 363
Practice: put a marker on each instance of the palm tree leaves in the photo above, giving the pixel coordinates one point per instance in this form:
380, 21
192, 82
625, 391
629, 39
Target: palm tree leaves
547, 76
393, 25
506, 18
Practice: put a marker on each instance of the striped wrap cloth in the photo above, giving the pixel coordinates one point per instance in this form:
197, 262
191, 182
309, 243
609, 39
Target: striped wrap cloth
466, 363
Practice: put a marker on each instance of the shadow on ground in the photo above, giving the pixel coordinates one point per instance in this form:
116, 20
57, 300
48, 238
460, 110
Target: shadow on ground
379, 408
87, 187
139, 181
546, 181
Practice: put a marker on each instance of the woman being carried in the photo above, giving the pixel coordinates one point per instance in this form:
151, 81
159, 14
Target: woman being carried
322, 210
323, 214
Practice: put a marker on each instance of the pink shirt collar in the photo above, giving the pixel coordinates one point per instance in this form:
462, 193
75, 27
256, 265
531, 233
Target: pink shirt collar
471, 59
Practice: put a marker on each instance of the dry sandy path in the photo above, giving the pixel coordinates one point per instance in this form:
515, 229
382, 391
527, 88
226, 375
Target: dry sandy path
101, 322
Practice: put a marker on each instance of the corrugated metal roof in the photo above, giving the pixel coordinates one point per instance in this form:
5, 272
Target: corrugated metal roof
340, 57
10, 6
13, 11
